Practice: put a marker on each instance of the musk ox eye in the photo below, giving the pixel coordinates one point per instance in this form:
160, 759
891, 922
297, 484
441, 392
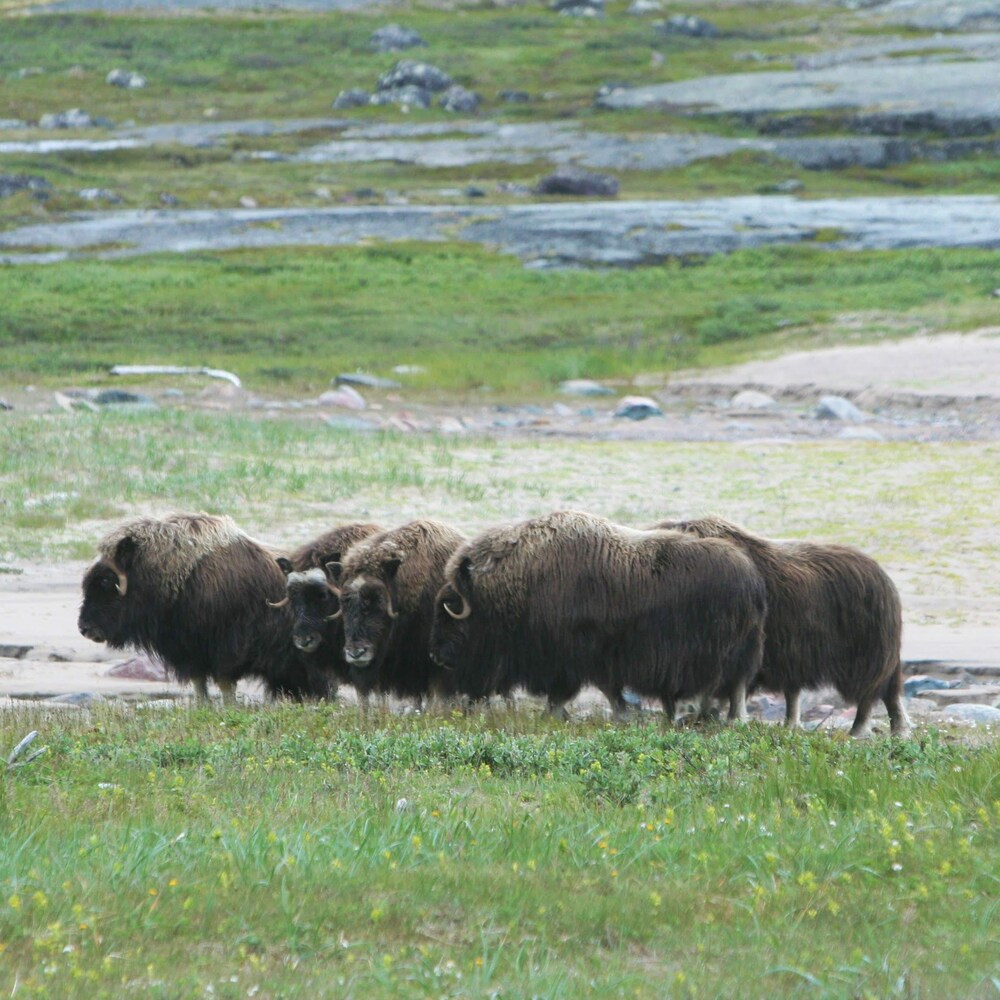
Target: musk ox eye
108, 583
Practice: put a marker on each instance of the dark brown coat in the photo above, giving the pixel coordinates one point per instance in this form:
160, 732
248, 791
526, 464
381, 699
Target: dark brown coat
567, 599
387, 587
833, 617
193, 589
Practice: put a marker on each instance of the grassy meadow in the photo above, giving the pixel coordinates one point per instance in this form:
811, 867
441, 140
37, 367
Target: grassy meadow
310, 852
286, 320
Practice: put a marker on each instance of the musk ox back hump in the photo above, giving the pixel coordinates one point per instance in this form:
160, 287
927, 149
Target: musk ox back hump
331, 545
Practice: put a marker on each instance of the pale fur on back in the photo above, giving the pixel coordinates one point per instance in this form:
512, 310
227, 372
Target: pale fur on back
417, 545
171, 547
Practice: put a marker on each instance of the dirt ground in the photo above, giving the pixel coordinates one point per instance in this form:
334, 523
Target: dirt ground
42, 654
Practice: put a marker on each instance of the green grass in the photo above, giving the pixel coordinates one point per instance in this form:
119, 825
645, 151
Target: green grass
66, 478
470, 316
262, 852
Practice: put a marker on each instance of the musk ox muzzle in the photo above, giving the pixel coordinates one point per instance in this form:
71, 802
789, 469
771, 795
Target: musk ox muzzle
307, 642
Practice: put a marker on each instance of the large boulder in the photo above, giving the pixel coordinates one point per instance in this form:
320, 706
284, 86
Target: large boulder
407, 97
11, 184
458, 99
353, 98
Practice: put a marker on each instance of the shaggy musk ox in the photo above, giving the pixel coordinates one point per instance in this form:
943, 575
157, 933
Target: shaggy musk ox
388, 583
318, 632
568, 599
833, 618
193, 589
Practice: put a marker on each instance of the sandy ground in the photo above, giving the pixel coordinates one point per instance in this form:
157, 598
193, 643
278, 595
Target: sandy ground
42, 653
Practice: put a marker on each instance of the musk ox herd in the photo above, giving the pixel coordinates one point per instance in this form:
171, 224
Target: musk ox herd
699, 610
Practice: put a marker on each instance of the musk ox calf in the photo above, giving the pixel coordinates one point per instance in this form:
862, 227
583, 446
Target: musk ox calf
193, 589
833, 618
387, 587
313, 569
567, 599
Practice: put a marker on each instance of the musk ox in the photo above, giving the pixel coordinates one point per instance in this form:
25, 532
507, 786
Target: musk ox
387, 587
192, 589
833, 618
317, 631
567, 599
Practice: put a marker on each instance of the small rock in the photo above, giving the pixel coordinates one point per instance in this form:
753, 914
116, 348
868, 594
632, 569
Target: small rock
638, 408
4, 405
247, 201
119, 397
409, 73
912, 686
77, 698
472, 191
125, 78
689, 25
579, 8
837, 408
513, 96
451, 425
25, 71
353, 98
457, 98
751, 399
345, 396
12, 123
584, 387
860, 434
789, 186
394, 37
168, 200
100, 194
369, 381
639, 7
139, 668
408, 370
512, 187
562, 410
402, 805
985, 714
10, 652
978, 694
612, 87
11, 184
406, 97
582, 183
342, 422
73, 118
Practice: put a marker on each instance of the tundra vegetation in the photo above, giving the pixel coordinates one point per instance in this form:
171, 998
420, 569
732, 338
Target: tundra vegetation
310, 851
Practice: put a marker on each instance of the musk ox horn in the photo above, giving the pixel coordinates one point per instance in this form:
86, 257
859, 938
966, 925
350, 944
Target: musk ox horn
390, 610
339, 613
122, 585
278, 604
459, 615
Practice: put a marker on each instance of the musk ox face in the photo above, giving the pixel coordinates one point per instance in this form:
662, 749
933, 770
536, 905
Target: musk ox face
369, 614
102, 614
314, 605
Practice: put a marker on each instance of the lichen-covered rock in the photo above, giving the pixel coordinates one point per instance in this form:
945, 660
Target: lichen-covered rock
126, 79
353, 98
457, 98
582, 183
394, 37
407, 97
410, 73
689, 25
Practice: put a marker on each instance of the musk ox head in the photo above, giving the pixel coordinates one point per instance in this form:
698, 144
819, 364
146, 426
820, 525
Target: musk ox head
315, 606
451, 631
103, 614
369, 604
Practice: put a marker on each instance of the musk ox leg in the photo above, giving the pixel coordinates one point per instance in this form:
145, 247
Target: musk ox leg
201, 690
620, 708
793, 708
738, 702
557, 709
669, 703
862, 727
228, 689
892, 696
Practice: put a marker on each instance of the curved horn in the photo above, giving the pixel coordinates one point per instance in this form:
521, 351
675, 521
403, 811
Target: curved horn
339, 613
278, 604
459, 615
390, 610
122, 585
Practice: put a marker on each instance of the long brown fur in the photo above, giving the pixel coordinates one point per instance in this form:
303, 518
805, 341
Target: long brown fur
404, 565
569, 598
834, 618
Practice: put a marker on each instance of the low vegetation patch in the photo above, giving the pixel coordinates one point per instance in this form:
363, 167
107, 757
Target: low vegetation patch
315, 852
472, 318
